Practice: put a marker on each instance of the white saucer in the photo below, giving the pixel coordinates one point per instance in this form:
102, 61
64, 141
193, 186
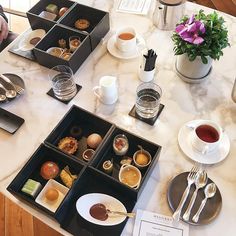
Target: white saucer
185, 143
114, 51
25, 45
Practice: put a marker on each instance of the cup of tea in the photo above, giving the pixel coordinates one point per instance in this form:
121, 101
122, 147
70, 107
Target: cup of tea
130, 175
107, 91
126, 39
206, 136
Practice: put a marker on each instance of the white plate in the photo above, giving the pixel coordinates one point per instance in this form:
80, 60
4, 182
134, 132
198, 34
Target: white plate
25, 45
114, 51
185, 143
52, 206
85, 202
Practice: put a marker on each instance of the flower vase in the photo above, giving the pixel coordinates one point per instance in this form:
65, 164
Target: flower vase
192, 71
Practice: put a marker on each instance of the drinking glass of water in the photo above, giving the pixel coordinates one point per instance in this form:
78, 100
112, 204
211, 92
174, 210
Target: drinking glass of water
63, 84
148, 97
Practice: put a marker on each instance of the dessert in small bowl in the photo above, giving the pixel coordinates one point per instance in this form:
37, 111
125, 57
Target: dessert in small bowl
55, 51
130, 175
74, 43
88, 154
142, 158
120, 144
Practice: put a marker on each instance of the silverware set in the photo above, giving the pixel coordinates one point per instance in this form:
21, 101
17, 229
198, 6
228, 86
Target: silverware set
199, 178
9, 93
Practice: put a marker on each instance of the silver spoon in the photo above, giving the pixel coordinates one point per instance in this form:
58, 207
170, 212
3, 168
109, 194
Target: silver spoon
2, 97
200, 182
9, 93
130, 214
209, 191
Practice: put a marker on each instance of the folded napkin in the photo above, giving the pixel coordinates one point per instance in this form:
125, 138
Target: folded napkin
149, 60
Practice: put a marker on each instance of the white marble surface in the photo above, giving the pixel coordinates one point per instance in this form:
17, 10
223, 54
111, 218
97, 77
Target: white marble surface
183, 102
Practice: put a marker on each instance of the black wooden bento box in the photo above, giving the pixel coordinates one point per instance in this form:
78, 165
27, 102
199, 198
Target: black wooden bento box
63, 27
91, 177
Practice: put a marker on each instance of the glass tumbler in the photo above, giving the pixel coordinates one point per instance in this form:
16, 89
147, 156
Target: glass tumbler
148, 97
63, 84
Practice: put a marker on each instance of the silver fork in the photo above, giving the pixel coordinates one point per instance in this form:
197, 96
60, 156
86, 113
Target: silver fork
18, 89
191, 178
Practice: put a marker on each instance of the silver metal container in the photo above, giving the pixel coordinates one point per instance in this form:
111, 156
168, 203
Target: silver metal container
168, 13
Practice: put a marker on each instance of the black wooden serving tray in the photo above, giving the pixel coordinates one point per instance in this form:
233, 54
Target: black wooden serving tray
63, 28
91, 178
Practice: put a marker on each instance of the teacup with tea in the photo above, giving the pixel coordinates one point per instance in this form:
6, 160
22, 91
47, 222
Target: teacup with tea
206, 136
126, 39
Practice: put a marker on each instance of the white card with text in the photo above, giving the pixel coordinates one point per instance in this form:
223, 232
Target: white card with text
153, 224
135, 6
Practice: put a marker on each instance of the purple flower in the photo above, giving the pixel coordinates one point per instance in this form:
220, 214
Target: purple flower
191, 31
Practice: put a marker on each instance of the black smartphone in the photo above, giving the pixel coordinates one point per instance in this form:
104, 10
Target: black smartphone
9, 121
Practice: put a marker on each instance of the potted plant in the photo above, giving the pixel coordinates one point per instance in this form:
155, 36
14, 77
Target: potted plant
198, 40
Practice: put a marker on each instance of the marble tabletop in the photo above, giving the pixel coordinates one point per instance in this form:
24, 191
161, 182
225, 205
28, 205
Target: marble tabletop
183, 102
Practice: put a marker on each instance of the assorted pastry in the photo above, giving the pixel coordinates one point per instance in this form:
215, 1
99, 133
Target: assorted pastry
61, 49
52, 193
140, 160
82, 24
53, 12
68, 145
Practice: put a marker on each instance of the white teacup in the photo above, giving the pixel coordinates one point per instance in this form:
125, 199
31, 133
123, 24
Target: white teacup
126, 39
107, 90
130, 175
206, 136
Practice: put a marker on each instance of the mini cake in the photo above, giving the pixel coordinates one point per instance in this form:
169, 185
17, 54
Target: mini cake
94, 140
82, 24
62, 11
107, 166
75, 131
67, 177
48, 15
51, 194
126, 160
68, 145
66, 56
31, 187
49, 170
62, 43
74, 43
52, 8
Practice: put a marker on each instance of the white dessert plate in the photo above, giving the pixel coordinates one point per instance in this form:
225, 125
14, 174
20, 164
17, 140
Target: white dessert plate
25, 45
185, 142
85, 202
114, 51
52, 205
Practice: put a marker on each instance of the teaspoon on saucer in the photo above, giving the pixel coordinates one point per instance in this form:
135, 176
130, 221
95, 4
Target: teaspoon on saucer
9, 93
209, 191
